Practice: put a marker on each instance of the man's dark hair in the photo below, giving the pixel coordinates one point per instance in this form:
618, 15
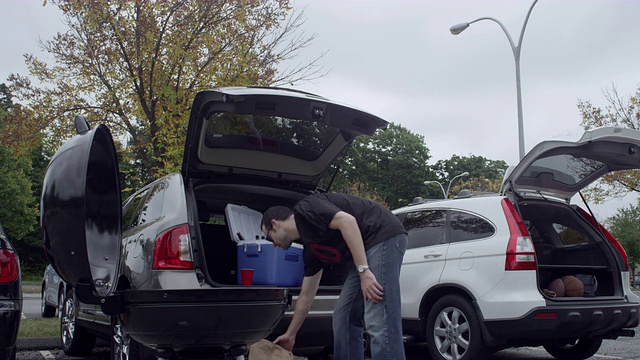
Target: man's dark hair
277, 212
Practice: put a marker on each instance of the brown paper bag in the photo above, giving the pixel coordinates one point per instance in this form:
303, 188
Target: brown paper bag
266, 350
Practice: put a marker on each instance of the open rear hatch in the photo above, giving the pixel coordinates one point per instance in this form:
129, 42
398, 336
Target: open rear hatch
560, 169
81, 219
566, 239
270, 135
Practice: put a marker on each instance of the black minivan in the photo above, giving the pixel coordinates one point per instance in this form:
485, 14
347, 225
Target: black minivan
160, 269
10, 298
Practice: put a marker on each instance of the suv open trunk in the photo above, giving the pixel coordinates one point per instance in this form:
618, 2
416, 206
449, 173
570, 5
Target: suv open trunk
567, 244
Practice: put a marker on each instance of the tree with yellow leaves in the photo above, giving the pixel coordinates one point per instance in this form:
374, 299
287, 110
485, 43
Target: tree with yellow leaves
136, 65
619, 112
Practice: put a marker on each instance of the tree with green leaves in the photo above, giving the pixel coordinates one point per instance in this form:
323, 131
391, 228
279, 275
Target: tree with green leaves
485, 175
17, 213
23, 160
625, 227
390, 166
619, 112
137, 65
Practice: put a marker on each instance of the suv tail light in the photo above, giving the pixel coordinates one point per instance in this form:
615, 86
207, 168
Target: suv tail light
608, 235
520, 252
173, 250
9, 268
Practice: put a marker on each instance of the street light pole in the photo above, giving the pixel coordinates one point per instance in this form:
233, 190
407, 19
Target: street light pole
457, 29
466, 173
446, 193
437, 182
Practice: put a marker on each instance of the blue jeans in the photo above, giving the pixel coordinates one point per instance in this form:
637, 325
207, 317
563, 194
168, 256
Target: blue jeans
383, 321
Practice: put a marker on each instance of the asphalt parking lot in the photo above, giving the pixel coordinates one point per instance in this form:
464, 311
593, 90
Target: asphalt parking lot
623, 348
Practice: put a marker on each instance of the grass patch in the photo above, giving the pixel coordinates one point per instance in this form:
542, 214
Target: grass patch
31, 281
39, 327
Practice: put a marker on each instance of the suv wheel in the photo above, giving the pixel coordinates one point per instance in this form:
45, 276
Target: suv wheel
75, 340
123, 347
46, 311
453, 330
580, 349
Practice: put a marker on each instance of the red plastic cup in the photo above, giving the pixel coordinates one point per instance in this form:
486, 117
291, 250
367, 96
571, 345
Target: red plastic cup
247, 276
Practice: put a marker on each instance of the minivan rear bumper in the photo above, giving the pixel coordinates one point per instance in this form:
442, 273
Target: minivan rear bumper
203, 318
10, 314
552, 323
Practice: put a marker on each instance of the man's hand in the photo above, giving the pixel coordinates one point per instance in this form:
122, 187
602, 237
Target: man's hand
286, 341
370, 287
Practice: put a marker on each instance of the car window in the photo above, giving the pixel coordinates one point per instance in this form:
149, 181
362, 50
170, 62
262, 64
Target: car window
130, 210
425, 228
564, 168
466, 226
569, 235
303, 139
151, 209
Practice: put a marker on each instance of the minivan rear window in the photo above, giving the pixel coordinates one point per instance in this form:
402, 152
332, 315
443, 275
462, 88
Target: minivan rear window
303, 139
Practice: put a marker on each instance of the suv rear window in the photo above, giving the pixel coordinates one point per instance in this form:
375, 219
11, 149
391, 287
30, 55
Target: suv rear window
302, 139
565, 168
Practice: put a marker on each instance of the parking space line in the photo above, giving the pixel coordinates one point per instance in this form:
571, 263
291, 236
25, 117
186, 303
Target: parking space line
47, 355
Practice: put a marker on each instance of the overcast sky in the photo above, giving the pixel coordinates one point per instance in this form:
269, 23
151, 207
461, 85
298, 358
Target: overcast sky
398, 60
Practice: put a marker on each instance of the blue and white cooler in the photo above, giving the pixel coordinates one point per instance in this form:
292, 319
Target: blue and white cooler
271, 265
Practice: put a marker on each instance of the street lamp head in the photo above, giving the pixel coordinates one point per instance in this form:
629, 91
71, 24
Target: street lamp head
457, 29
466, 173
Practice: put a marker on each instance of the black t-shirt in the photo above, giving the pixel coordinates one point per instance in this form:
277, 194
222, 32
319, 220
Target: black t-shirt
323, 245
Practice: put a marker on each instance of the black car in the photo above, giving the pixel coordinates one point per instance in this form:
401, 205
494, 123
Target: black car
161, 269
10, 298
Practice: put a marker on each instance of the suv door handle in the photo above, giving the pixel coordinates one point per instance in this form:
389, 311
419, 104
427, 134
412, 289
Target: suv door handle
432, 255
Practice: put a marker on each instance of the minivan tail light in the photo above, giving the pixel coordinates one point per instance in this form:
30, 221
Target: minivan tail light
521, 254
608, 235
173, 250
9, 267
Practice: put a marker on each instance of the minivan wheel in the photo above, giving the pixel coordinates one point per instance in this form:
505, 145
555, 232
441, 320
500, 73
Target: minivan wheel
453, 330
577, 350
46, 311
123, 347
75, 340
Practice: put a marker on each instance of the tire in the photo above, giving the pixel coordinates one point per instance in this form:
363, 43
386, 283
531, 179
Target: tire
580, 349
453, 330
8, 353
123, 347
75, 340
47, 311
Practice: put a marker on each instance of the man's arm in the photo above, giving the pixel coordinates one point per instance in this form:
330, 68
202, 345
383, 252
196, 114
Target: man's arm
308, 291
348, 227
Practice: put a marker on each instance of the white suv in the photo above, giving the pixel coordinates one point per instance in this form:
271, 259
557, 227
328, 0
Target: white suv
481, 273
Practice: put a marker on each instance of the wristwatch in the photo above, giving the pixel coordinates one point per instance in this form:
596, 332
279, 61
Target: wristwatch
362, 268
